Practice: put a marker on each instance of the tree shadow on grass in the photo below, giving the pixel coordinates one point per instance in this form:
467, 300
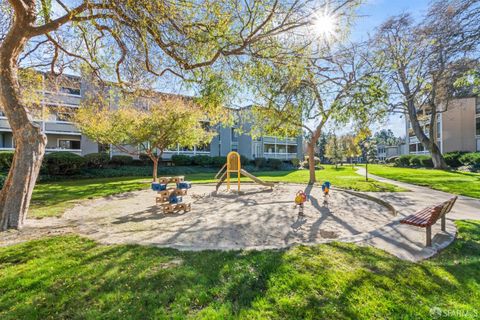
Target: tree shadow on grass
82, 279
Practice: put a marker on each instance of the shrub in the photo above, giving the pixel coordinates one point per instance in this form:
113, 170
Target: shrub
316, 159
391, 160
260, 162
63, 163
219, 161
275, 164
137, 163
121, 160
2, 180
426, 161
295, 162
404, 160
6, 158
453, 158
244, 160
181, 160
145, 159
421, 161
202, 160
96, 160
471, 159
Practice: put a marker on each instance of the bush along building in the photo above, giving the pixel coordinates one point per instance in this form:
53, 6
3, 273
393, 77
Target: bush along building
60, 98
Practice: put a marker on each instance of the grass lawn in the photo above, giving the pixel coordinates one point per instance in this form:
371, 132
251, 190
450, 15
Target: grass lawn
463, 183
75, 278
53, 198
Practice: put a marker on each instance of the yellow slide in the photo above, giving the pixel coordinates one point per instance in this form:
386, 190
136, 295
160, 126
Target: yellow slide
233, 166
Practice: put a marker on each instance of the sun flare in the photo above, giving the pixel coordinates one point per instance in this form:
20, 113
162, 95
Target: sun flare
324, 25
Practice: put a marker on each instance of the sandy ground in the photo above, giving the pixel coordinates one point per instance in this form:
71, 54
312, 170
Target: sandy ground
257, 218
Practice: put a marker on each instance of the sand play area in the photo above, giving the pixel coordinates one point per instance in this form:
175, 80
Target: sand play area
256, 218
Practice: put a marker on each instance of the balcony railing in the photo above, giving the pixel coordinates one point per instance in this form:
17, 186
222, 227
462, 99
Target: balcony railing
61, 98
279, 155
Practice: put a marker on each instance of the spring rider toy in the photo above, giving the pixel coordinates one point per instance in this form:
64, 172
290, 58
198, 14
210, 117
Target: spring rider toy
326, 191
300, 199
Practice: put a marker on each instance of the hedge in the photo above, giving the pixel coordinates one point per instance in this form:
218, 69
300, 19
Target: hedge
181, 160
96, 160
63, 163
6, 158
260, 162
121, 160
202, 160
275, 164
453, 158
218, 161
421, 161
470, 159
404, 160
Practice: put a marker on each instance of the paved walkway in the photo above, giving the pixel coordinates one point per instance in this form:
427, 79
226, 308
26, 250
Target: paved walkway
408, 242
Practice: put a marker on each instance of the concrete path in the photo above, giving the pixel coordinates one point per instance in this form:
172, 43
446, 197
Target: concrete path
408, 242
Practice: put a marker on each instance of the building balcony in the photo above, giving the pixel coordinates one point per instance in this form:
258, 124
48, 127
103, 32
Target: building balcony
278, 155
77, 151
280, 140
49, 127
61, 127
60, 98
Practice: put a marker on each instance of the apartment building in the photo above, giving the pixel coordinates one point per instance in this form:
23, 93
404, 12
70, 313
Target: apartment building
57, 102
456, 129
385, 152
60, 100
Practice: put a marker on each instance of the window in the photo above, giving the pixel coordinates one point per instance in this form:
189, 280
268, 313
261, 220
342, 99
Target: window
269, 148
412, 148
234, 135
292, 149
420, 147
477, 126
74, 91
477, 109
204, 148
69, 144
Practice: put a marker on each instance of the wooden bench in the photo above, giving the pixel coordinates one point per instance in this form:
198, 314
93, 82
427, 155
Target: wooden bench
427, 217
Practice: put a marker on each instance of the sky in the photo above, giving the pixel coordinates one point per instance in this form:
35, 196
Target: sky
372, 14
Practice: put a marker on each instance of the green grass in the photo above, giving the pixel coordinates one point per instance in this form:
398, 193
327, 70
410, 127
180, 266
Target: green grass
53, 198
463, 183
71, 277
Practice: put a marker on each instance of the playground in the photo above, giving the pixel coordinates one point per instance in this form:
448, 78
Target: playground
228, 214
257, 218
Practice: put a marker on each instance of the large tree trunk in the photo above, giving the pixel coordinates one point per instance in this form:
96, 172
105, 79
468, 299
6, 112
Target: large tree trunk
428, 144
311, 152
155, 169
311, 162
29, 141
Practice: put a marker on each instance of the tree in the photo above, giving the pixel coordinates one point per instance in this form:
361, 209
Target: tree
386, 137
334, 150
350, 146
338, 87
133, 41
322, 143
421, 63
164, 124
369, 152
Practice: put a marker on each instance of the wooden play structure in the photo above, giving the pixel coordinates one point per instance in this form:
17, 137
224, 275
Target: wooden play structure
170, 199
234, 165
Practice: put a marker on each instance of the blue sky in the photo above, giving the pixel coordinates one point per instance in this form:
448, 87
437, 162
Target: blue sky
372, 14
